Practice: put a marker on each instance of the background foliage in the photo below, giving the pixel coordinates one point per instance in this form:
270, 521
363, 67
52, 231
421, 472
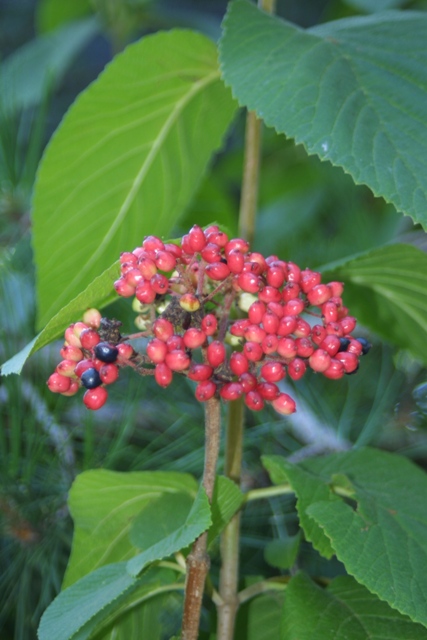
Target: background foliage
309, 211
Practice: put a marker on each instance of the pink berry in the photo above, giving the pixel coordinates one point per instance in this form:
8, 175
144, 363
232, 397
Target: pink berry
269, 344
270, 294
253, 351
92, 317
177, 360
249, 282
331, 344
272, 371
159, 283
231, 391
83, 366
58, 383
66, 368
69, 352
348, 324
293, 307
304, 347
163, 329
205, 390
152, 243
71, 337
309, 279
74, 387
200, 372
336, 288
256, 312
89, 338
334, 328
217, 271
147, 268
218, 237
109, 373
349, 361
145, 292
335, 370
197, 238
123, 288
133, 276
319, 294
254, 333
215, 353
320, 360
235, 261
238, 363
236, 244
157, 350
125, 352
275, 276
163, 374
291, 291
293, 272
284, 404
211, 253
287, 348
209, 324
126, 256
165, 260
303, 329
296, 369
330, 311
194, 338
318, 334
175, 342
287, 325
268, 390
239, 327
270, 322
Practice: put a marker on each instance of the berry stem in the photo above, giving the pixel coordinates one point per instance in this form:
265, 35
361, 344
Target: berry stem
198, 559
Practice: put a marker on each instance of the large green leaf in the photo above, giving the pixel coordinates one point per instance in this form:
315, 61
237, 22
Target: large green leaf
185, 532
103, 505
98, 293
353, 91
226, 500
377, 526
28, 73
99, 597
51, 14
126, 160
386, 289
343, 611
260, 618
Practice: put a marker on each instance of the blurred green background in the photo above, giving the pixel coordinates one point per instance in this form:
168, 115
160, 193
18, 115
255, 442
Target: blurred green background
309, 212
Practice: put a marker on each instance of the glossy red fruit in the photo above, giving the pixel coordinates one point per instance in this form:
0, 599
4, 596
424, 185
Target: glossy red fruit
147, 268
320, 360
163, 329
268, 390
71, 353
200, 372
58, 383
297, 368
216, 353
253, 351
335, 371
287, 348
152, 243
66, 368
89, 338
272, 371
177, 360
194, 338
125, 351
165, 261
123, 288
197, 238
209, 324
109, 373
284, 404
145, 292
157, 350
248, 382
217, 271
231, 391
92, 317
163, 374
205, 390
254, 401
94, 399
238, 363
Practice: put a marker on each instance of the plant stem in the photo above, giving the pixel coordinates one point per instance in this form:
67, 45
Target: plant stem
229, 572
198, 559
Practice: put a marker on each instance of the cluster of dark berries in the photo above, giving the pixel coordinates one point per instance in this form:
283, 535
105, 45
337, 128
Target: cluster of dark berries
231, 320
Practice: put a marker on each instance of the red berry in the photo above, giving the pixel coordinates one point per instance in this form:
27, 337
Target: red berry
159, 283
66, 368
254, 333
209, 324
231, 391
83, 366
309, 279
211, 253
304, 347
126, 256
331, 344
133, 276
287, 325
109, 373
293, 307
336, 288
348, 324
174, 249
74, 387
89, 338
349, 361
257, 261
268, 390
238, 363
256, 312
335, 370
147, 268
216, 353
163, 374
296, 369
71, 337
157, 350
238, 328
291, 291
235, 261
318, 334
125, 352
270, 322
94, 399
145, 292
236, 244
334, 328
152, 243
163, 329
194, 338
249, 282
330, 311
303, 329
287, 348
200, 372
92, 317
275, 276
58, 383
217, 271
177, 360
175, 342
165, 261
320, 360
217, 237
284, 404
254, 401
248, 382
272, 371
196, 238
71, 353
253, 351
205, 390
269, 344
123, 288
293, 272
270, 294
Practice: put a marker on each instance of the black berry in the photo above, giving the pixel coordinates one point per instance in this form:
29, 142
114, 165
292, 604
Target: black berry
106, 352
344, 342
91, 379
365, 345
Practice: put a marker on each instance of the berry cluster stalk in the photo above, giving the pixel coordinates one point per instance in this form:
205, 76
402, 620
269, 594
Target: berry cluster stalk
198, 560
229, 573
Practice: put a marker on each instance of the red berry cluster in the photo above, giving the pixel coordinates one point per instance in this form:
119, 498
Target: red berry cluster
191, 297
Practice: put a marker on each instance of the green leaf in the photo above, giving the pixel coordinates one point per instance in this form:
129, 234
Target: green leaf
343, 611
260, 618
377, 525
373, 6
282, 553
27, 74
103, 504
308, 489
386, 289
97, 294
226, 501
51, 14
126, 160
160, 519
197, 521
87, 605
353, 91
